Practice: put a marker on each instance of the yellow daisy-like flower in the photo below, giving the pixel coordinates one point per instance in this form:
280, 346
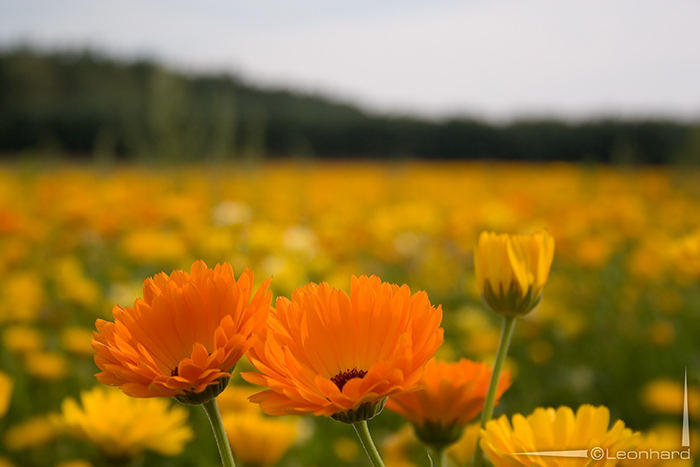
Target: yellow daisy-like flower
259, 440
555, 430
512, 270
121, 426
330, 353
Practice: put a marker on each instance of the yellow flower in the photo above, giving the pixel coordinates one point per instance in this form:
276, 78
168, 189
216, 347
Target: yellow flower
259, 440
73, 285
31, 433
21, 339
664, 438
121, 426
397, 448
462, 452
47, 366
22, 296
77, 340
345, 449
512, 270
553, 430
685, 254
5, 393
666, 396
152, 246
235, 399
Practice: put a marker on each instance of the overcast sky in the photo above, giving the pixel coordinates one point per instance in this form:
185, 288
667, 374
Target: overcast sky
497, 58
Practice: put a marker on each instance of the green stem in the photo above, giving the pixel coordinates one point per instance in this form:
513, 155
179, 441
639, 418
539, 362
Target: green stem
438, 457
217, 426
362, 430
487, 413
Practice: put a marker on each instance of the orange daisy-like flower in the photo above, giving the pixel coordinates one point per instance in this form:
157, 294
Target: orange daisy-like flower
452, 394
331, 354
184, 336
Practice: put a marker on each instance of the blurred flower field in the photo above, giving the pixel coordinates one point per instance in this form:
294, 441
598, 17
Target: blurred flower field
618, 326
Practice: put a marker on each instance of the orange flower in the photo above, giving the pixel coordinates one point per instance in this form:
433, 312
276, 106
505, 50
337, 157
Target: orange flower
184, 336
452, 394
328, 353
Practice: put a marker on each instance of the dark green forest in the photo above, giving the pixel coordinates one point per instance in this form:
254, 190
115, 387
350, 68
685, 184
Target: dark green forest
84, 104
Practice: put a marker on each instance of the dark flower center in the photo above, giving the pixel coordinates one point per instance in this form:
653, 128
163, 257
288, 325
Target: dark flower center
175, 372
344, 376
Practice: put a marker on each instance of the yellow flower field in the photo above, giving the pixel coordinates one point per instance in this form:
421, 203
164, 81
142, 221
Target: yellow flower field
617, 325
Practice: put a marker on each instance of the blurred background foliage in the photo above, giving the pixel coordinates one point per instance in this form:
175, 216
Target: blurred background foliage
85, 104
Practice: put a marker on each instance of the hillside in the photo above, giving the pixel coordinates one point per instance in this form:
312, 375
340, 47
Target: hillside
82, 103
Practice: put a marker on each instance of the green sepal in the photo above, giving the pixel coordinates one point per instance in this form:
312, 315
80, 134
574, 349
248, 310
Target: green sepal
438, 436
210, 392
366, 411
512, 302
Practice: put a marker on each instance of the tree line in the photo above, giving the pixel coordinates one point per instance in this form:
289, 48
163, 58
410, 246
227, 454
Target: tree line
85, 104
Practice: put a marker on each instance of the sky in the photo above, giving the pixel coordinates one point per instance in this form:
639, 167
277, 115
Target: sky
497, 59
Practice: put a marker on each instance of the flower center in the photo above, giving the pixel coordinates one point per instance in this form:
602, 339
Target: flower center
344, 376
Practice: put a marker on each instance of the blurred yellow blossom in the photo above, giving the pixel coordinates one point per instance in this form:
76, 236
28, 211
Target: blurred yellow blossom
152, 246
227, 213
122, 426
22, 339
48, 366
346, 448
685, 254
77, 340
666, 396
72, 284
235, 399
5, 393
462, 452
257, 439
664, 438
397, 447
21, 297
661, 333
30, 433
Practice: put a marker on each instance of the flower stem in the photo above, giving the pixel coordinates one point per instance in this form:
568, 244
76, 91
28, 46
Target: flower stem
362, 430
217, 426
438, 457
487, 413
